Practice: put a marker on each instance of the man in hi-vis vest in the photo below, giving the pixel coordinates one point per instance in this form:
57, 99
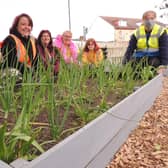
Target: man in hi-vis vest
149, 42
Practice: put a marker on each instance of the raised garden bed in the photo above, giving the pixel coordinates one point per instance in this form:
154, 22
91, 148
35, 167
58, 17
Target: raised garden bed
96, 143
36, 116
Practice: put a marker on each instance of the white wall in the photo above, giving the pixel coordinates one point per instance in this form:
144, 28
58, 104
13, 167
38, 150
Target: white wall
101, 31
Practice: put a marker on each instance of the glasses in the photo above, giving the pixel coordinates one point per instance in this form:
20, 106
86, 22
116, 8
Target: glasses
66, 36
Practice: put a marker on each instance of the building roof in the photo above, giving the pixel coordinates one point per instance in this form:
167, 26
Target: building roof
125, 23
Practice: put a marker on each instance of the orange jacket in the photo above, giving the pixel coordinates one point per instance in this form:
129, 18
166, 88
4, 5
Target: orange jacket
22, 52
92, 57
1, 44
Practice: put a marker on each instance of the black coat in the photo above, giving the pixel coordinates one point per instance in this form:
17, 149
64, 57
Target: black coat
9, 52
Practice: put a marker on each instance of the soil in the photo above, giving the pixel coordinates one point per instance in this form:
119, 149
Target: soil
73, 121
147, 145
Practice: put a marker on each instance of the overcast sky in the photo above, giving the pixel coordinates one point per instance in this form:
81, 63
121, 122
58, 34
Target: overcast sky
53, 14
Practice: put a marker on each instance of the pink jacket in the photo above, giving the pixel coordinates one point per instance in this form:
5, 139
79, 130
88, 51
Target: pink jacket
59, 44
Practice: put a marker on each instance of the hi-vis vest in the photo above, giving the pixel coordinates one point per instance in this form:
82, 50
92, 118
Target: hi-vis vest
150, 47
167, 30
22, 53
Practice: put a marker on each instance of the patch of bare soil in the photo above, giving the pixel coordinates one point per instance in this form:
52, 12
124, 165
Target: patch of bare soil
147, 145
72, 123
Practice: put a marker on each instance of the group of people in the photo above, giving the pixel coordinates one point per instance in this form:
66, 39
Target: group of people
22, 51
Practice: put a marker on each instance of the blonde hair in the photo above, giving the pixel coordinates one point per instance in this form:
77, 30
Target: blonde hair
67, 32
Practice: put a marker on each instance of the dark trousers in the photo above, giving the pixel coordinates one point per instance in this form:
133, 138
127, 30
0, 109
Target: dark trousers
138, 65
146, 61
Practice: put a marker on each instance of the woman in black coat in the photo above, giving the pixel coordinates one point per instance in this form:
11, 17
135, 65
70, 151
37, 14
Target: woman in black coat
19, 47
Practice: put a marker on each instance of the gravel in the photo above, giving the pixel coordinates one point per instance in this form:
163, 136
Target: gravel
147, 145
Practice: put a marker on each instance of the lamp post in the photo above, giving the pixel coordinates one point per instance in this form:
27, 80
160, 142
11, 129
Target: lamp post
85, 31
69, 14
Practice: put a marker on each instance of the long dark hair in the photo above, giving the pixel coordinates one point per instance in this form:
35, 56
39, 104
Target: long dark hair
50, 45
13, 28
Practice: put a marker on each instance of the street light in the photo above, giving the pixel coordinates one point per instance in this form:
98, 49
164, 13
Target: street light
69, 14
85, 31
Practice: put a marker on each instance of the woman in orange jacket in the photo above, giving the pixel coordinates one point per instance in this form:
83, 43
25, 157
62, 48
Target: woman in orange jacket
19, 47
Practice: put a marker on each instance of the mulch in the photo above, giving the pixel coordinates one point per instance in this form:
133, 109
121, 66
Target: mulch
147, 145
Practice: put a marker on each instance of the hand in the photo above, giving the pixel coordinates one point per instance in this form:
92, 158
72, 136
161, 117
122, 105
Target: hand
124, 60
161, 69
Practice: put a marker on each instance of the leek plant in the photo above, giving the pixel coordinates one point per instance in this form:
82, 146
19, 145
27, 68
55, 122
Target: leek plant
15, 144
79, 90
17, 141
147, 73
127, 77
69, 82
103, 81
82, 106
115, 75
101, 78
7, 98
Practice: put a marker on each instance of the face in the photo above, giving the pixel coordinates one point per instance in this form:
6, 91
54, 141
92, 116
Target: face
91, 45
45, 39
67, 37
24, 27
149, 20
150, 15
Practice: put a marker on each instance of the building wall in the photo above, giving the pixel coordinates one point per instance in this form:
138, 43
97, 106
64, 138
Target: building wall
101, 31
122, 35
118, 47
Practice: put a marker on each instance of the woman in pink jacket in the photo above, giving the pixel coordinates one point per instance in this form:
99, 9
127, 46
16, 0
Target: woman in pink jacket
67, 48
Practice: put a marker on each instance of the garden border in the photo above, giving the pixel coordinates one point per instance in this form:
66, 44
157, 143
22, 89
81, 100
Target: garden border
94, 145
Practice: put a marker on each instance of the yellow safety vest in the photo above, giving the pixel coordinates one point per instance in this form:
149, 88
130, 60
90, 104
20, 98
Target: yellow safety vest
153, 42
